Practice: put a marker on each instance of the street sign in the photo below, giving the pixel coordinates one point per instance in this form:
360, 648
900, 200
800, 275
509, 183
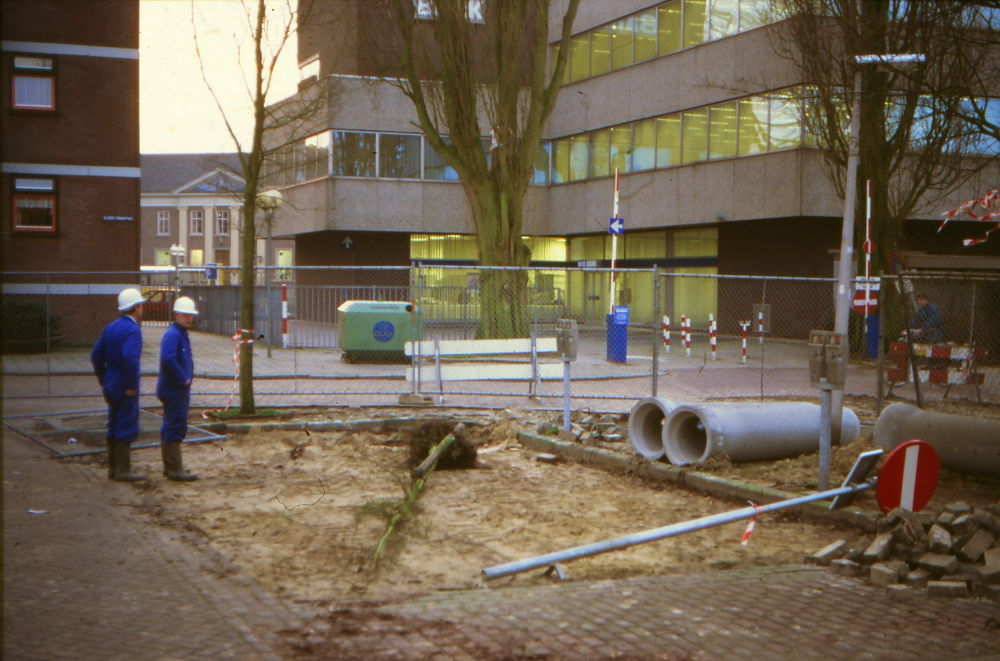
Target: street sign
859, 302
616, 226
908, 477
896, 264
868, 247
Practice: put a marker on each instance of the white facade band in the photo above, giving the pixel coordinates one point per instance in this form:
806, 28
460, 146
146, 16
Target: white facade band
71, 49
46, 169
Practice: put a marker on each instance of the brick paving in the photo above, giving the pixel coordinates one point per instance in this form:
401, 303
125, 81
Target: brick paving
768, 613
88, 579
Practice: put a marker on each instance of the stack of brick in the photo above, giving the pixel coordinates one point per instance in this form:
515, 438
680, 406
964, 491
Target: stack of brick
953, 553
588, 429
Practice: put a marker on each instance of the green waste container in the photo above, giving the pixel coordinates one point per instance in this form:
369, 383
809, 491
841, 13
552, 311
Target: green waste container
374, 331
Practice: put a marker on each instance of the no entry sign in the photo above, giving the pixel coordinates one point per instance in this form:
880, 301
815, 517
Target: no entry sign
908, 477
865, 307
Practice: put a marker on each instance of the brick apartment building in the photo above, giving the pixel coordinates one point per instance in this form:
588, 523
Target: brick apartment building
71, 135
70, 176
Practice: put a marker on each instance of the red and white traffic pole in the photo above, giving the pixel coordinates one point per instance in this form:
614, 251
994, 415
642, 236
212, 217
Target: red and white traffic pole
744, 325
868, 254
666, 333
686, 323
614, 250
284, 316
711, 334
760, 325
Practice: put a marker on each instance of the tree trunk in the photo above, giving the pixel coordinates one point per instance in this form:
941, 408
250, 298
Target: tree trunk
503, 308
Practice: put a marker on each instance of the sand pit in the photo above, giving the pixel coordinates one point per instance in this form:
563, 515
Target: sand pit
289, 509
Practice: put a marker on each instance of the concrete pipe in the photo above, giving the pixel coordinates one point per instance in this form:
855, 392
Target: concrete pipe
964, 444
645, 426
748, 432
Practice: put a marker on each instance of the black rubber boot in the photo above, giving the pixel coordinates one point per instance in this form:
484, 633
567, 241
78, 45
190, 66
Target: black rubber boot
173, 466
123, 463
111, 458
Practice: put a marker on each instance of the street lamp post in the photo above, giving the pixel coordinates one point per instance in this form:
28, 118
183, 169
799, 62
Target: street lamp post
269, 201
177, 253
844, 275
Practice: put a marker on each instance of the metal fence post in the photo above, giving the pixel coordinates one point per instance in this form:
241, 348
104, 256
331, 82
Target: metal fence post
656, 322
763, 302
972, 346
880, 372
48, 365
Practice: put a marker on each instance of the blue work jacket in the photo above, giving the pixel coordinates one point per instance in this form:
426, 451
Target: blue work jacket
116, 358
176, 363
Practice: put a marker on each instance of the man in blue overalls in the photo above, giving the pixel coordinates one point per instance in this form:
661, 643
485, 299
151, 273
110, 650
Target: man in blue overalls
173, 388
116, 363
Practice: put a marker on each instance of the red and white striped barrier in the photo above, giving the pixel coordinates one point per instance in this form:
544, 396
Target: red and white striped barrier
711, 334
284, 316
686, 331
666, 333
744, 325
752, 524
238, 339
760, 325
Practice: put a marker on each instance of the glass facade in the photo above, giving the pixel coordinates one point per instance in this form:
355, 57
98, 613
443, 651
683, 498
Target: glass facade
741, 127
362, 154
660, 30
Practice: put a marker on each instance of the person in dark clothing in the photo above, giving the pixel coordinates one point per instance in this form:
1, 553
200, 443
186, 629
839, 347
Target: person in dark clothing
173, 389
926, 326
116, 364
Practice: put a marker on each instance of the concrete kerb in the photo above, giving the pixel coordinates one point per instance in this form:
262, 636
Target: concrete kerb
704, 482
611, 461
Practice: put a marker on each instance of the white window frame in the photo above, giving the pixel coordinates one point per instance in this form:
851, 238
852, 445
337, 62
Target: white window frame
163, 223
24, 70
35, 192
222, 222
196, 223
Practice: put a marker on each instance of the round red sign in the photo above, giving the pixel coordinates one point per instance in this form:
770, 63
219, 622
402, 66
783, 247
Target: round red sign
908, 477
859, 302
868, 247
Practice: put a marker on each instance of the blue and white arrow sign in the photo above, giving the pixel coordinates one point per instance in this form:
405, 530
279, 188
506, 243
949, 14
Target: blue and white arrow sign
616, 226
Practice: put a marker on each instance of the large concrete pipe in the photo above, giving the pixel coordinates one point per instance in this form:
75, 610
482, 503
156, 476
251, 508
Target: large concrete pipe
963, 443
748, 432
645, 426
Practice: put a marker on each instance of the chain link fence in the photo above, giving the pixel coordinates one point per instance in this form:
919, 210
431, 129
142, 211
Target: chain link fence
323, 332
956, 337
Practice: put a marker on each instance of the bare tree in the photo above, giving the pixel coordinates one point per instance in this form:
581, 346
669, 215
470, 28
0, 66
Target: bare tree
274, 124
914, 141
486, 57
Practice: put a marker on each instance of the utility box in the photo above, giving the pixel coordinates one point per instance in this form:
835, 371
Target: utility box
568, 338
374, 331
827, 362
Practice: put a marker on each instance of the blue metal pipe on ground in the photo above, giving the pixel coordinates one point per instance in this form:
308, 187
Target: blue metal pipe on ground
661, 533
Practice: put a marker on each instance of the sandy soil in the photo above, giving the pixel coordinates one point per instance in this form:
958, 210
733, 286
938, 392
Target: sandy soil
288, 508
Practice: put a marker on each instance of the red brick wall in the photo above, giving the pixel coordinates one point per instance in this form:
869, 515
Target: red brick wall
96, 123
109, 23
83, 241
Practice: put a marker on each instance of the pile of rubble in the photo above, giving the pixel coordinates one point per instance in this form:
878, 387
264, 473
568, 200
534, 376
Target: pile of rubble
588, 429
954, 553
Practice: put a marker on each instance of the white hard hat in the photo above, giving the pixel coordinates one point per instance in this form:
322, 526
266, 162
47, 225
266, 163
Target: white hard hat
129, 298
184, 305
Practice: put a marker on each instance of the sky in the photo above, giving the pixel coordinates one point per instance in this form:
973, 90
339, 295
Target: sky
177, 113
